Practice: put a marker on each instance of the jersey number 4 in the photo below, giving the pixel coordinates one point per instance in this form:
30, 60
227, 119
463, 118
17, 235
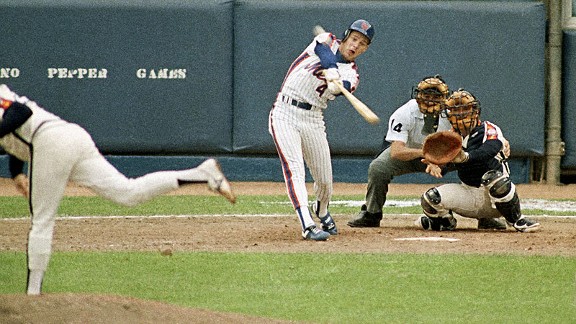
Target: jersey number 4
397, 128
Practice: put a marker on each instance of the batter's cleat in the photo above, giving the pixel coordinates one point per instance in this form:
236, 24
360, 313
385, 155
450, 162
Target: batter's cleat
328, 224
491, 224
525, 225
216, 180
366, 219
313, 233
436, 223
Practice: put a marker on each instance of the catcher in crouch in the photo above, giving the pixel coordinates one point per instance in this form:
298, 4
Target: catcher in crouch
485, 189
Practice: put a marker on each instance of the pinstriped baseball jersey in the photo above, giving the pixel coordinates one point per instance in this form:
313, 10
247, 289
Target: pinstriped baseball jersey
296, 123
304, 80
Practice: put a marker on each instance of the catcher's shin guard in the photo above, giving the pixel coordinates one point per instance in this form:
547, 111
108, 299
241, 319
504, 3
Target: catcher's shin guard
503, 193
510, 209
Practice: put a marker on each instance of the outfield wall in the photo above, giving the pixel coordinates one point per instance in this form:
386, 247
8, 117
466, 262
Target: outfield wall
180, 80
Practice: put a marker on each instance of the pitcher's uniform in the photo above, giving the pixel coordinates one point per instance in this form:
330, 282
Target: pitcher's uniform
58, 152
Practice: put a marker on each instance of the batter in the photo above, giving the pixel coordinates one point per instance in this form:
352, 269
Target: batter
58, 152
296, 121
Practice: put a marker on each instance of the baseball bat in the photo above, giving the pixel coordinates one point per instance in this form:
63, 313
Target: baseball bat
317, 30
360, 107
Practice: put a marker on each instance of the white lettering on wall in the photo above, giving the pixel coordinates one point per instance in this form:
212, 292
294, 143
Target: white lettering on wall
161, 74
79, 73
7, 73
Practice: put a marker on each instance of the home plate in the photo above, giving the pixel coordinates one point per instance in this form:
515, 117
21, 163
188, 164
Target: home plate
427, 238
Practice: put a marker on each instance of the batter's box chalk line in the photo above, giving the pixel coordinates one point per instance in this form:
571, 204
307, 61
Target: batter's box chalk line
428, 238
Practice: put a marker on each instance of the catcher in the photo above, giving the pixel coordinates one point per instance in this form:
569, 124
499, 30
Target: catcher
478, 153
408, 127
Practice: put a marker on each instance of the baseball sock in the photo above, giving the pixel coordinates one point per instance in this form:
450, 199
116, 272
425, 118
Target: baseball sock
192, 176
322, 209
35, 282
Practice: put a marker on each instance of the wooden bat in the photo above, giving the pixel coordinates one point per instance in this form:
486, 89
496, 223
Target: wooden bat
360, 107
317, 30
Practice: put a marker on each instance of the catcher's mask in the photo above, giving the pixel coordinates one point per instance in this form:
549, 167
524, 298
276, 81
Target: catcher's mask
430, 93
463, 111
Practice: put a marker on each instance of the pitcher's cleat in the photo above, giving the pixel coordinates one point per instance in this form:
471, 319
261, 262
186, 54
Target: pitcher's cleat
216, 180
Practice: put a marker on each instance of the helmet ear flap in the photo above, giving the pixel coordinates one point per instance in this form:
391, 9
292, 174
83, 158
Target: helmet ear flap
346, 33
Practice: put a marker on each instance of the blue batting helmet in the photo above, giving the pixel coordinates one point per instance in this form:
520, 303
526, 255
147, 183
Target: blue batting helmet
363, 27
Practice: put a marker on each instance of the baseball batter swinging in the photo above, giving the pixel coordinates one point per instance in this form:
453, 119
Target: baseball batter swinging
296, 121
58, 152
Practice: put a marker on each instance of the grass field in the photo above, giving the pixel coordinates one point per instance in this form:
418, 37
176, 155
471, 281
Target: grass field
321, 288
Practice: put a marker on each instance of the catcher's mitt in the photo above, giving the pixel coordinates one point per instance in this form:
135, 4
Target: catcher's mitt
442, 147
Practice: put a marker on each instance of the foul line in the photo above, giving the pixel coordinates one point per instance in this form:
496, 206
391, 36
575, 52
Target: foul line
235, 215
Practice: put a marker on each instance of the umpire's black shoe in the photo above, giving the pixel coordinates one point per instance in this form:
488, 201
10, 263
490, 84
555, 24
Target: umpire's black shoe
366, 219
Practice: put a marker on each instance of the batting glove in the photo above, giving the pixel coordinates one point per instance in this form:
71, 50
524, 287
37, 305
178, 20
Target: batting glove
332, 74
333, 88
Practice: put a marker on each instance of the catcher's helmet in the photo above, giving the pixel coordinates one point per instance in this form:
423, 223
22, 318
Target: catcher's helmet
430, 94
463, 111
363, 27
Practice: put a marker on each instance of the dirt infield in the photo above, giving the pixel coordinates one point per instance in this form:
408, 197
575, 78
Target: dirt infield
170, 235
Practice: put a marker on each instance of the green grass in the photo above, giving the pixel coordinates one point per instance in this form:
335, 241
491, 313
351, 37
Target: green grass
322, 288
336, 288
203, 205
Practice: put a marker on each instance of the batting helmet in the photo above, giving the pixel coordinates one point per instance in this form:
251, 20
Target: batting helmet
363, 27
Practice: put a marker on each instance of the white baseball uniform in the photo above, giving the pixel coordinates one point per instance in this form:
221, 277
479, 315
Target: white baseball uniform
296, 123
58, 152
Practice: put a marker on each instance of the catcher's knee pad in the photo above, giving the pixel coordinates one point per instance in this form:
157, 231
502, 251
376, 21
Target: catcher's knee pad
499, 185
430, 202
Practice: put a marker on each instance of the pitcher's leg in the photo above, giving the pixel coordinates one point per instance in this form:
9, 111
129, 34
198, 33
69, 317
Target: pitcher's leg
48, 180
99, 175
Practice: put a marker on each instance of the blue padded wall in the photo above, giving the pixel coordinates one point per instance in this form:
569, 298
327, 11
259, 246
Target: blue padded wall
495, 50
